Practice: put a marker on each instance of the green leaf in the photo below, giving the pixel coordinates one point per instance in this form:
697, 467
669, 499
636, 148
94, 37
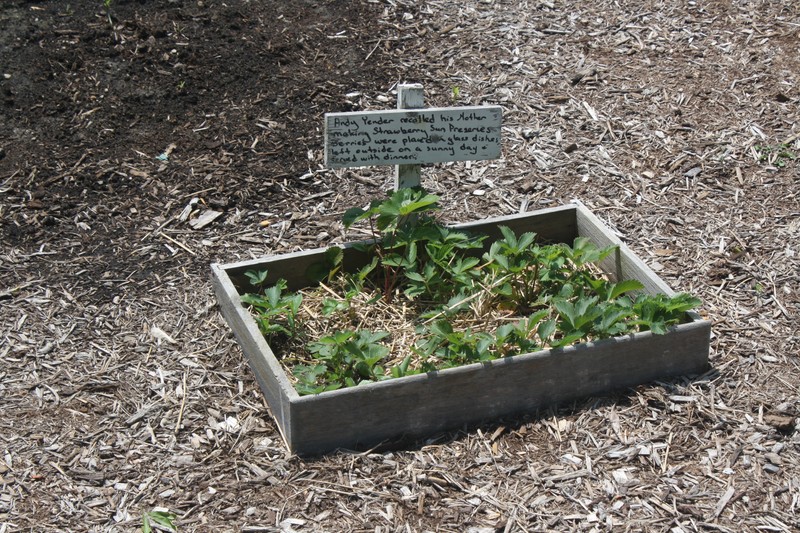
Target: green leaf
584, 252
340, 337
504, 289
683, 302
416, 276
256, 278
162, 518
568, 339
567, 291
442, 328
501, 260
309, 373
467, 264
273, 295
659, 327
503, 333
578, 315
567, 311
482, 346
401, 370
293, 302
411, 253
658, 312
624, 286
583, 305
331, 306
546, 329
354, 214
416, 205
526, 240
609, 323
365, 271
330, 263
393, 260
254, 300
365, 336
509, 236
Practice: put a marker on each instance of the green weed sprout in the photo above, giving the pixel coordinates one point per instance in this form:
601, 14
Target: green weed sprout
162, 518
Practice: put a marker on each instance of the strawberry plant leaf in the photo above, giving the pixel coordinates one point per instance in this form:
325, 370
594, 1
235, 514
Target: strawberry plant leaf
617, 289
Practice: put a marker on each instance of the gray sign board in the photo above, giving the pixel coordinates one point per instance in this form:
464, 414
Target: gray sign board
412, 136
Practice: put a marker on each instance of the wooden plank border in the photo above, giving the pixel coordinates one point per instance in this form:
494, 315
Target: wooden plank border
420, 405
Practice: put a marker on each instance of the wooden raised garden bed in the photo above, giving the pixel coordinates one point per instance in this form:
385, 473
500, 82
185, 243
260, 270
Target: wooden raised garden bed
424, 404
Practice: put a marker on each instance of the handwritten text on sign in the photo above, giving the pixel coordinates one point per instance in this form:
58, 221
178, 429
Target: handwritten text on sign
412, 137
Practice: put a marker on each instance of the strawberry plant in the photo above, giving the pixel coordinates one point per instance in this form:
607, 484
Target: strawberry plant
276, 311
345, 359
432, 297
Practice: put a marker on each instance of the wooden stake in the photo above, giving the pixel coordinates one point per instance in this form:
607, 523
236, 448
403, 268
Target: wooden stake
409, 96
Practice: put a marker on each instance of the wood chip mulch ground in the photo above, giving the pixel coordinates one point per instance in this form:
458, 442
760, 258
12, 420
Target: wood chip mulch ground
141, 143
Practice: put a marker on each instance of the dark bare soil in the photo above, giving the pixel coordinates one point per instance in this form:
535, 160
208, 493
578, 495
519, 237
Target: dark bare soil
233, 93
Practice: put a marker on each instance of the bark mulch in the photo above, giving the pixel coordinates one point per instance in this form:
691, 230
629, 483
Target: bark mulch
141, 143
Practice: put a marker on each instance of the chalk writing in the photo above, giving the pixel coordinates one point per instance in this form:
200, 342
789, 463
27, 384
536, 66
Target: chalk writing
408, 137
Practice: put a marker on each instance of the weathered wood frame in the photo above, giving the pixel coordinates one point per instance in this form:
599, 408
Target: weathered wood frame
421, 405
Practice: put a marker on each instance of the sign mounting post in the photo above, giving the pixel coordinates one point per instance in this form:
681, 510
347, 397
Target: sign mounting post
409, 96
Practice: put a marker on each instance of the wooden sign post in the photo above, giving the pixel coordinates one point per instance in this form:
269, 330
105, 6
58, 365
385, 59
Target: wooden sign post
412, 135
409, 96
